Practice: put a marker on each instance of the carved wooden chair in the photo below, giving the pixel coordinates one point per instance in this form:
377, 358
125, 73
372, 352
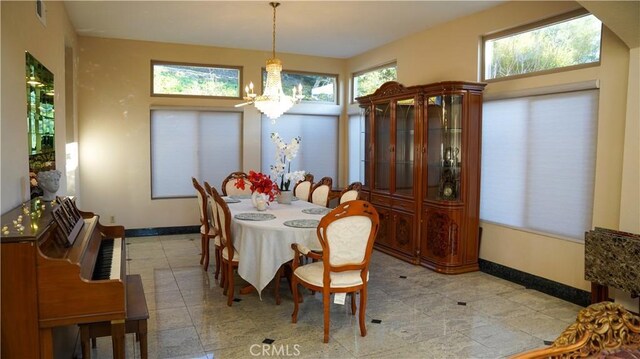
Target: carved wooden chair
229, 188
213, 219
207, 231
320, 192
302, 189
602, 330
230, 256
351, 192
346, 234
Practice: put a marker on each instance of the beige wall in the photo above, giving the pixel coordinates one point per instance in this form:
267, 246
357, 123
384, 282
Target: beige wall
451, 52
22, 31
113, 107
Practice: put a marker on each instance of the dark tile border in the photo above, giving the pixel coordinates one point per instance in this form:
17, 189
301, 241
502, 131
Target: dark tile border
558, 290
160, 231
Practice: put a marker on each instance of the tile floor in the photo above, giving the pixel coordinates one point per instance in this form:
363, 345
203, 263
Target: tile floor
425, 315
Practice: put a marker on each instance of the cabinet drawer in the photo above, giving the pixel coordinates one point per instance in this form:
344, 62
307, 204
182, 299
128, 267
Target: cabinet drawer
403, 204
380, 200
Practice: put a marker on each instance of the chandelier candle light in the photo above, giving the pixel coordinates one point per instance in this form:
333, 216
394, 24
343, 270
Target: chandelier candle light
273, 102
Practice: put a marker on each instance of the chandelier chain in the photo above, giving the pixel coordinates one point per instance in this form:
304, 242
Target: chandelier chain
273, 42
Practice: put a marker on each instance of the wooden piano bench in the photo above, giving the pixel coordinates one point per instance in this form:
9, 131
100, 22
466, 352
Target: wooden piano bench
135, 322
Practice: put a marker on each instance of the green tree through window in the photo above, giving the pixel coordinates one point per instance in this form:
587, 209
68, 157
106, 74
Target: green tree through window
194, 80
366, 83
568, 43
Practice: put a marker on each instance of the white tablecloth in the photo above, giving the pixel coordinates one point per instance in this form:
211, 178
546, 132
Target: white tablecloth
265, 245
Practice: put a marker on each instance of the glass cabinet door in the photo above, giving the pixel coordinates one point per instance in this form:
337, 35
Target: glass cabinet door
382, 154
365, 138
405, 110
444, 147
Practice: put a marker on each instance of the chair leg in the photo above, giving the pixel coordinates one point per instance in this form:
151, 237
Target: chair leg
363, 308
206, 253
223, 281
230, 288
294, 289
326, 303
218, 259
353, 303
202, 250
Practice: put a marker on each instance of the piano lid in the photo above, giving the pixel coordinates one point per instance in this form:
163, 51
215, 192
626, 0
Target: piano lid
27, 221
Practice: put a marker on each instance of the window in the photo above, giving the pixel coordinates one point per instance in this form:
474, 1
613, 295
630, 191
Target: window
316, 88
318, 152
201, 144
538, 162
173, 79
559, 43
367, 82
356, 148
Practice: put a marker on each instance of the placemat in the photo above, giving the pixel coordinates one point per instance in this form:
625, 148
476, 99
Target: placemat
316, 210
302, 223
253, 216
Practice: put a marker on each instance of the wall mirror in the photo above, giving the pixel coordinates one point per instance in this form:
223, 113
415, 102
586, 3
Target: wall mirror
40, 120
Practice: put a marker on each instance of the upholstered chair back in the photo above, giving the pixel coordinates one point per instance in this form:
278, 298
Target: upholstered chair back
320, 192
302, 190
202, 204
224, 223
347, 234
229, 185
212, 206
351, 192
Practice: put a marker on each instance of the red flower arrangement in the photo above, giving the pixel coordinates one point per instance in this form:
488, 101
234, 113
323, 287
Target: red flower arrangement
260, 183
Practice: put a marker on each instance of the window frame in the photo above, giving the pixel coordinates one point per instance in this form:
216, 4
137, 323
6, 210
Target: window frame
263, 71
393, 63
230, 67
529, 27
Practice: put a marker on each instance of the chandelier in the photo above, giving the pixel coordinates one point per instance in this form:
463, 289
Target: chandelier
273, 102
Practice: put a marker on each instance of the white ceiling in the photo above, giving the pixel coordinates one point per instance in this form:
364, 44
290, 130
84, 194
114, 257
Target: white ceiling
339, 29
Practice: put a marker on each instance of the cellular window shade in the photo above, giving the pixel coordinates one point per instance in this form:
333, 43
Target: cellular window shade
184, 144
538, 162
318, 151
356, 148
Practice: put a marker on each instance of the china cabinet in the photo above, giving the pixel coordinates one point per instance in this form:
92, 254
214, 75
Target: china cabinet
422, 171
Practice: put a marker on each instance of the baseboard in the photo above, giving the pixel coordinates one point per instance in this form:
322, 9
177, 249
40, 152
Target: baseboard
558, 290
160, 231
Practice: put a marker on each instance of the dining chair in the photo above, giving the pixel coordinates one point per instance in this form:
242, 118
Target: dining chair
351, 192
213, 219
229, 184
346, 235
302, 189
320, 192
207, 231
230, 256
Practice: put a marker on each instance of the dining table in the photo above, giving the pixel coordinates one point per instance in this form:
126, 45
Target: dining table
263, 238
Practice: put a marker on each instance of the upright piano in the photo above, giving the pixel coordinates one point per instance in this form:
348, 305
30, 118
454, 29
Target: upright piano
60, 266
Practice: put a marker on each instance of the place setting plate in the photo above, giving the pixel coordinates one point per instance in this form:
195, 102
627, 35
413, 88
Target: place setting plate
316, 210
253, 216
302, 223
231, 200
